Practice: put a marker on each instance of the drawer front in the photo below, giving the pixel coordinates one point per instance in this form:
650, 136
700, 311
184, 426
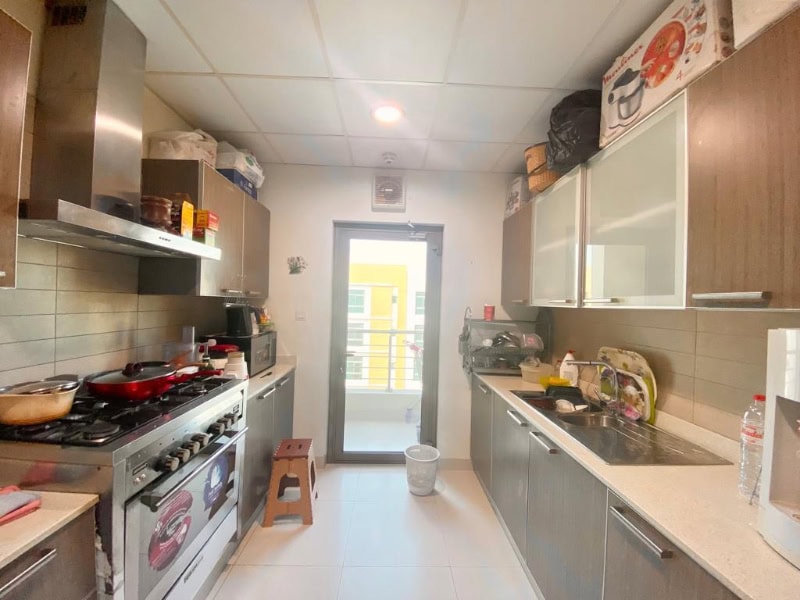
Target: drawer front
62, 566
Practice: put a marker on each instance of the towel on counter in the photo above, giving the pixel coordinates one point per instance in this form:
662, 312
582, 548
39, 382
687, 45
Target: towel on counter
14, 503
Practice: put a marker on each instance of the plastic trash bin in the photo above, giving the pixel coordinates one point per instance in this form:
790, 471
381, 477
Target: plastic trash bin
422, 463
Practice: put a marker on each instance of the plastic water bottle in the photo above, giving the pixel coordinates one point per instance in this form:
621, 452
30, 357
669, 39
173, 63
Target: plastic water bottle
752, 446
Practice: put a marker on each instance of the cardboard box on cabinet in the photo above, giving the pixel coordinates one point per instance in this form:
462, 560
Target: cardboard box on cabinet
518, 195
687, 39
751, 17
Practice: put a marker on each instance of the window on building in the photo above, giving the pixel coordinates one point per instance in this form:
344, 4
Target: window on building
355, 334
419, 308
356, 301
419, 334
354, 368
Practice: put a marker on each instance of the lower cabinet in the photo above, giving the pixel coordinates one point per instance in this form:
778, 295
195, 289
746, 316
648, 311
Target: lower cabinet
480, 432
509, 487
284, 408
61, 566
258, 449
641, 563
566, 523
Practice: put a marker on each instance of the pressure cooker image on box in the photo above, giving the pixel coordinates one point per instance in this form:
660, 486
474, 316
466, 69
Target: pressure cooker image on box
625, 99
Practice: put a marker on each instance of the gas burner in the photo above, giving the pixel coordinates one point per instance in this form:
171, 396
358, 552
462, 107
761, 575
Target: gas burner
99, 430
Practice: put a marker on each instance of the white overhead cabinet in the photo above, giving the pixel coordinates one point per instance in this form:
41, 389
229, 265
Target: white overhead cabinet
635, 253
557, 223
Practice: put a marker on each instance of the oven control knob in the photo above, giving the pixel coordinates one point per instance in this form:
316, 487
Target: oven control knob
217, 428
229, 420
202, 439
183, 454
193, 447
169, 464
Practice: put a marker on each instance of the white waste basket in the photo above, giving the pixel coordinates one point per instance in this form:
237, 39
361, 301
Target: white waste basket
422, 463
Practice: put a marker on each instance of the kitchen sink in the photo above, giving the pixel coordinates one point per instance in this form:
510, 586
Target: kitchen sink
589, 420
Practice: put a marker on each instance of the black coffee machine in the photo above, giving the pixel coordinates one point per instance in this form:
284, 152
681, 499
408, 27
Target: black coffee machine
240, 319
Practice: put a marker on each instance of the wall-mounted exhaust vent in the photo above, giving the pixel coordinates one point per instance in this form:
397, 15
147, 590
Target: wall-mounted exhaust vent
389, 193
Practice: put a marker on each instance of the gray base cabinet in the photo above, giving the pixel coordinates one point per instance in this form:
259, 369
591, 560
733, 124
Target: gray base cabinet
480, 437
509, 485
566, 524
259, 446
641, 563
284, 408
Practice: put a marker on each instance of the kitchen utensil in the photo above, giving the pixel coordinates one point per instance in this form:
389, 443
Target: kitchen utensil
134, 383
36, 402
236, 367
533, 371
239, 319
15, 503
157, 212
634, 363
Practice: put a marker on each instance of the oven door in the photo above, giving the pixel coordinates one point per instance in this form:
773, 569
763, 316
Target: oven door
171, 520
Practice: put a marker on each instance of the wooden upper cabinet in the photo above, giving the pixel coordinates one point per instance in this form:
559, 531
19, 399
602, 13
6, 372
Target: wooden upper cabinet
744, 179
515, 288
15, 50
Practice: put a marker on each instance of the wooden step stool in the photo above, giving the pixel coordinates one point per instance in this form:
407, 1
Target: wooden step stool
292, 465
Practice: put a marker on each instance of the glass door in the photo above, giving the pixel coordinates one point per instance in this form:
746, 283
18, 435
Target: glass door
384, 346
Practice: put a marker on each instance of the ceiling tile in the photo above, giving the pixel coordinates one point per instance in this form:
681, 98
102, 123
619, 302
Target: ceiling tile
462, 156
482, 114
254, 142
358, 100
524, 42
536, 129
202, 100
368, 152
626, 24
298, 106
168, 48
264, 37
388, 40
311, 149
512, 160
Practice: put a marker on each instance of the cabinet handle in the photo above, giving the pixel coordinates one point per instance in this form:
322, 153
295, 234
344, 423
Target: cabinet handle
520, 301
253, 293
265, 395
47, 554
567, 301
282, 382
483, 388
538, 437
516, 419
232, 292
733, 297
600, 300
2, 273
618, 513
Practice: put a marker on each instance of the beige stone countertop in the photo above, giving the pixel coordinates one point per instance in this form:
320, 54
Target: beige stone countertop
697, 507
57, 509
282, 367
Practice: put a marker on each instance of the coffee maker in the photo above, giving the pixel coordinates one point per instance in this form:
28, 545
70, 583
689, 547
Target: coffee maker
242, 319
779, 503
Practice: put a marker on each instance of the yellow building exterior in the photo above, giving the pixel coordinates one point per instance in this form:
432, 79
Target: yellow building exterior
385, 307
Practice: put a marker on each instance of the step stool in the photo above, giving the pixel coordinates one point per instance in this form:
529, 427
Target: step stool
292, 465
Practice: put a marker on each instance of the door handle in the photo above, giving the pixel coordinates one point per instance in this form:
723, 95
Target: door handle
232, 292
538, 437
516, 419
733, 297
483, 388
566, 301
618, 513
600, 300
525, 301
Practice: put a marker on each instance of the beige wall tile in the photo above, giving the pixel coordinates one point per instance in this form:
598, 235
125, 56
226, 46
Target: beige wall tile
26, 354
164, 318
676, 405
96, 281
716, 420
26, 374
99, 343
750, 349
26, 328
94, 260
723, 397
743, 376
745, 322
97, 363
158, 335
36, 251
35, 277
154, 303
27, 302
95, 302
82, 324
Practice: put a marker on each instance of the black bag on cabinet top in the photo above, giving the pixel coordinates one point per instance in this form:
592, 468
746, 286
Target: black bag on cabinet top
574, 135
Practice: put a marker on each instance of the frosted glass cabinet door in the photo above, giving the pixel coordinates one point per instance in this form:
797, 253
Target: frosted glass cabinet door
636, 215
556, 241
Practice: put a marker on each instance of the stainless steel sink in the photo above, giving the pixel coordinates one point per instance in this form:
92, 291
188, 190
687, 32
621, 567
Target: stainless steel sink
595, 419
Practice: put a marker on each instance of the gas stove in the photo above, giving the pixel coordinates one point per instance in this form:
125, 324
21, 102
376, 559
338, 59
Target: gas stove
96, 421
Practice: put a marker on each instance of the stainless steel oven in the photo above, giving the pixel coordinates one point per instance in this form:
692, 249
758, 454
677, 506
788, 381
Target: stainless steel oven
169, 522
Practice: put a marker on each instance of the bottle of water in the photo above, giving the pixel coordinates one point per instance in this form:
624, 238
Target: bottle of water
752, 446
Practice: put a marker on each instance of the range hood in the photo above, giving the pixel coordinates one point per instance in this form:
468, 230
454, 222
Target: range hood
87, 149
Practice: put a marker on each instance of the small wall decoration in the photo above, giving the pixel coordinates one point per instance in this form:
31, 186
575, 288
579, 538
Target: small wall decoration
297, 264
389, 194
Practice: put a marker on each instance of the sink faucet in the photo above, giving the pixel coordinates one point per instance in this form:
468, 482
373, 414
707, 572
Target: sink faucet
601, 363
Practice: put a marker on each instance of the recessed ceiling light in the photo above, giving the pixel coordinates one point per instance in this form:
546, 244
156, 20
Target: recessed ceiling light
387, 113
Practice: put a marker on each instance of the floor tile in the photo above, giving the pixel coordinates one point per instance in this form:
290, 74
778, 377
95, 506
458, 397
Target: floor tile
386, 484
284, 583
246, 538
396, 534
474, 538
507, 583
461, 490
338, 482
397, 583
218, 584
292, 543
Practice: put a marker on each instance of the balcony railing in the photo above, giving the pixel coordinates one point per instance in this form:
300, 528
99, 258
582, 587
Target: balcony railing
389, 360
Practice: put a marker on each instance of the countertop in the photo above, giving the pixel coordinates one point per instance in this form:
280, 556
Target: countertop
697, 507
57, 509
282, 367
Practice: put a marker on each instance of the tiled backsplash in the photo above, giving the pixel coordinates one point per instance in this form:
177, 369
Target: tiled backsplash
707, 364
77, 311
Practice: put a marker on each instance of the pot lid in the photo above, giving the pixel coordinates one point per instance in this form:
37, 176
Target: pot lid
40, 387
133, 373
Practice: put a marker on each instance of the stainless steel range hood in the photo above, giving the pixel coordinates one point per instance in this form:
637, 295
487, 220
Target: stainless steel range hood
87, 150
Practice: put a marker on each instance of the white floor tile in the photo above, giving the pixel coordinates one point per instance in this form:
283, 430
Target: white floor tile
336, 482
461, 490
245, 539
396, 534
384, 484
220, 580
281, 583
507, 583
292, 543
397, 583
474, 538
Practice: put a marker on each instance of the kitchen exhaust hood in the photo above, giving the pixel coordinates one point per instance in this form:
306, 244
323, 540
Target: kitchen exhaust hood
87, 149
